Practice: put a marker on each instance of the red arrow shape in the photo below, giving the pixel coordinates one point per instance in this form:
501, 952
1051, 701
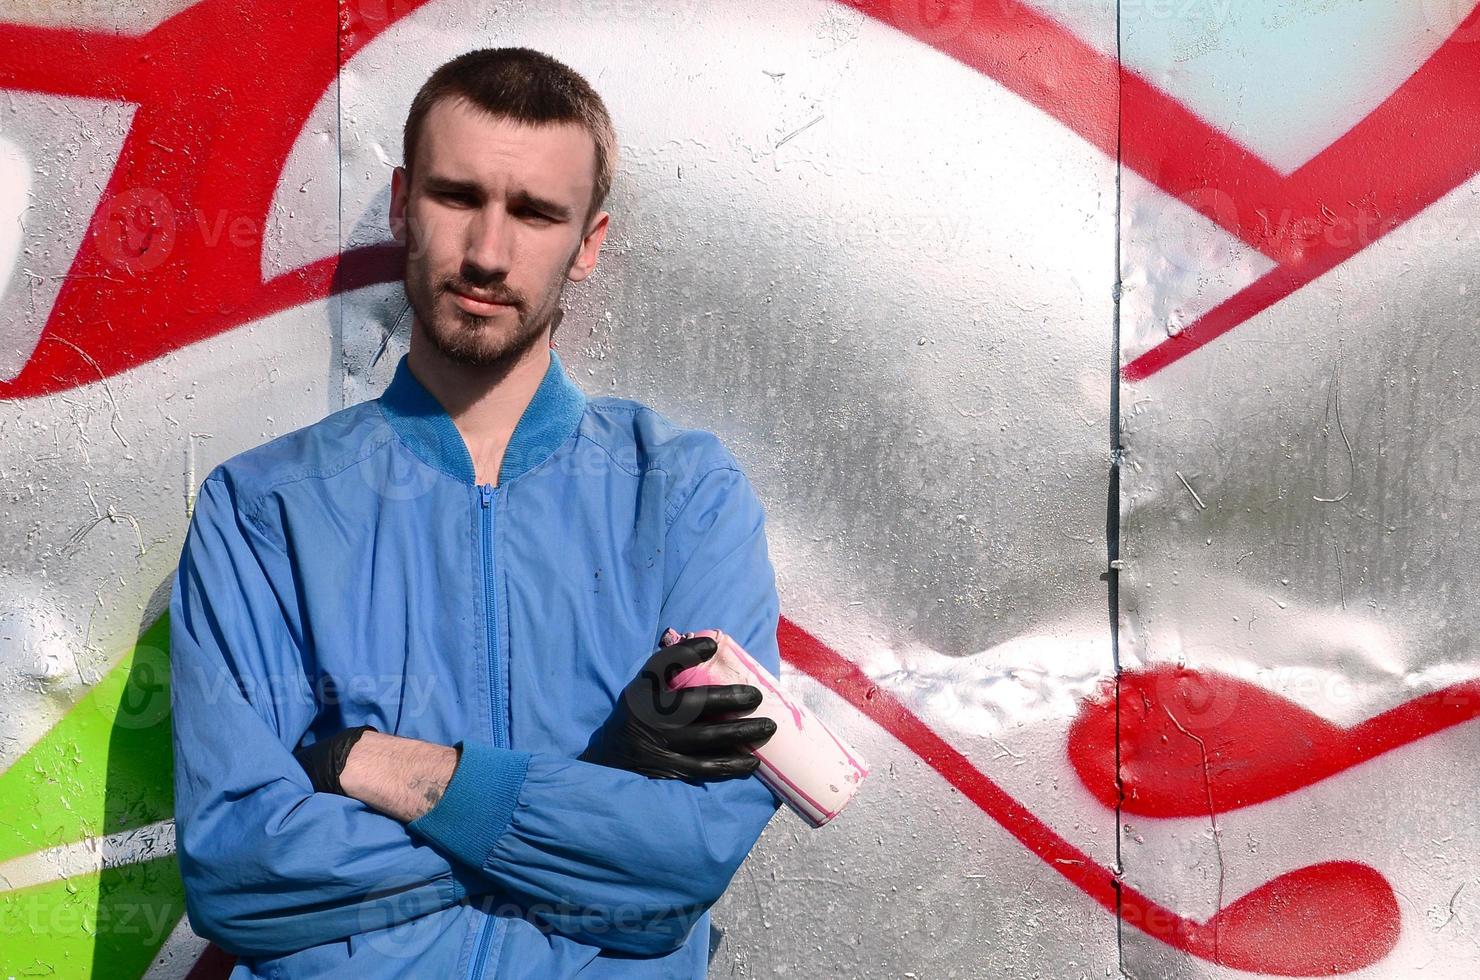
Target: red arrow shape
1328, 918
1191, 741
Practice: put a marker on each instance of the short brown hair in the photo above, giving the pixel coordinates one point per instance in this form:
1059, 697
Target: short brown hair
526, 86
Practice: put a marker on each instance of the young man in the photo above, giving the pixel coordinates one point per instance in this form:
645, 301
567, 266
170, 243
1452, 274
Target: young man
421, 719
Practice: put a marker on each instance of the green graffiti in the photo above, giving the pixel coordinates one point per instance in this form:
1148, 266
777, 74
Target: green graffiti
102, 924
106, 767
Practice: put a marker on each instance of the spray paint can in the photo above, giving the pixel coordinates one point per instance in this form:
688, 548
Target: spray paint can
805, 763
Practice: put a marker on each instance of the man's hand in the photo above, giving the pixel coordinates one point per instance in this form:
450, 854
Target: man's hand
324, 760
691, 733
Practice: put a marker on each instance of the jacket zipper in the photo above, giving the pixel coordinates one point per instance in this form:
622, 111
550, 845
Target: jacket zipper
495, 667
495, 687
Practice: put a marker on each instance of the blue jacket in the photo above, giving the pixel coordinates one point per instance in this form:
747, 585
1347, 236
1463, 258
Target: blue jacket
353, 572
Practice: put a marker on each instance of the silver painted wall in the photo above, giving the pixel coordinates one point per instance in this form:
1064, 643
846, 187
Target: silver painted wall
877, 249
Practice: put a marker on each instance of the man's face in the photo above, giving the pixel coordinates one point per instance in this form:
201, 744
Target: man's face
494, 224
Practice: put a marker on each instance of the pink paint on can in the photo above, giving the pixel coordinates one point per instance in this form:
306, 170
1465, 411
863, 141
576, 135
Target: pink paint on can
805, 763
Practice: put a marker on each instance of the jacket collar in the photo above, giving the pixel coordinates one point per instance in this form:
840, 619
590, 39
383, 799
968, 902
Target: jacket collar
426, 428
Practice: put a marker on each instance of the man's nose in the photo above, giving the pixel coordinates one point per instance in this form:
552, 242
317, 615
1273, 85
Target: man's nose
490, 246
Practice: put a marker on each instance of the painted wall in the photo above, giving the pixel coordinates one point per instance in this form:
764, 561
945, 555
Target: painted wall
1207, 533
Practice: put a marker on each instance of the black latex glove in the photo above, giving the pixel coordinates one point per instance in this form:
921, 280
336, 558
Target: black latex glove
324, 760
692, 733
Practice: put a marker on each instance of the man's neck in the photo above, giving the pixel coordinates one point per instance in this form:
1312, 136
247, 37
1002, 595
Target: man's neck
485, 403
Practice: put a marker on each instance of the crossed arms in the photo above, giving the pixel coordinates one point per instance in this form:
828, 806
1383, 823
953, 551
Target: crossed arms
271, 867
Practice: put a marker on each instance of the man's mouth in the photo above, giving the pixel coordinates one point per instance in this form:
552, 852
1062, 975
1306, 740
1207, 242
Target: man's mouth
474, 303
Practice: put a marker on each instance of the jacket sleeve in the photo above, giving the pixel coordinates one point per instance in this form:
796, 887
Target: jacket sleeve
269, 866
608, 857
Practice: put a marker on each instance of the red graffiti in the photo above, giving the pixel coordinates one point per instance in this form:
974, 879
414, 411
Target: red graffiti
1194, 742
173, 253
1376, 177
216, 123
1335, 917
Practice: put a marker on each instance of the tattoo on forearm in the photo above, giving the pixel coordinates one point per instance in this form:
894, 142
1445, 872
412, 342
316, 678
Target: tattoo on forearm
429, 790
400, 777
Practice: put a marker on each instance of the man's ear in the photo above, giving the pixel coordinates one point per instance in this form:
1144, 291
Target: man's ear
585, 259
399, 187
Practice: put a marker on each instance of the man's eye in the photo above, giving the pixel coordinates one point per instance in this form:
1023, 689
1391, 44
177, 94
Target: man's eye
537, 216
455, 198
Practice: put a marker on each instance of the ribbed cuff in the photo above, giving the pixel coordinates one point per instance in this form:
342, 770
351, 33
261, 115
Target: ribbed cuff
475, 810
